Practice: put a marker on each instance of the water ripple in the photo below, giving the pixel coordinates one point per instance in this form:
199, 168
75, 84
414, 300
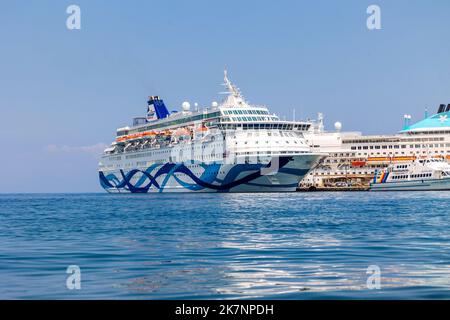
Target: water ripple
293, 246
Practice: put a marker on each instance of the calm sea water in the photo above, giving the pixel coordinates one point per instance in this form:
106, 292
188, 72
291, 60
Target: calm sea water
196, 246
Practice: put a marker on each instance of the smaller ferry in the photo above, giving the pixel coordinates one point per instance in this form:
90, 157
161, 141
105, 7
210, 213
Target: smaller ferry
420, 174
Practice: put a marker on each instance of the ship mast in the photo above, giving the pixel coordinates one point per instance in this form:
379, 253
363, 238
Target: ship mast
235, 96
232, 89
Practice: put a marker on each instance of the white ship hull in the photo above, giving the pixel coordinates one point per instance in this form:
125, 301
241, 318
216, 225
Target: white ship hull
418, 185
214, 177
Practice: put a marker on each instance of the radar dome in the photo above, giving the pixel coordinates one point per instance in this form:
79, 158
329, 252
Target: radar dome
338, 126
186, 106
214, 104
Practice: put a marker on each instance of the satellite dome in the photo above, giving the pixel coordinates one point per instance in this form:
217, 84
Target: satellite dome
214, 104
338, 126
186, 106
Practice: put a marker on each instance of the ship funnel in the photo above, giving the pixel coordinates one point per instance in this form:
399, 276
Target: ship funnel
156, 106
441, 108
406, 121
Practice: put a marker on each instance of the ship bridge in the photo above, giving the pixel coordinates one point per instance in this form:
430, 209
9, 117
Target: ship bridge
236, 112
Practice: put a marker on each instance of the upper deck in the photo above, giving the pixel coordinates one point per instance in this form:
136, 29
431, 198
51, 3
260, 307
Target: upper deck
438, 123
234, 113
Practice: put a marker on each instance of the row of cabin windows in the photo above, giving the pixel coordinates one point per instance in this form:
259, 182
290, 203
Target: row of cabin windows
233, 119
229, 112
264, 126
403, 146
430, 132
351, 141
421, 175
403, 153
414, 176
343, 172
267, 142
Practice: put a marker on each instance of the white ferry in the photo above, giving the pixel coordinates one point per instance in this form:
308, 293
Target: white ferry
231, 147
421, 174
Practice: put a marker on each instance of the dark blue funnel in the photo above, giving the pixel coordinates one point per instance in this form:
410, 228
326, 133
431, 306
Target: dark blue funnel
158, 105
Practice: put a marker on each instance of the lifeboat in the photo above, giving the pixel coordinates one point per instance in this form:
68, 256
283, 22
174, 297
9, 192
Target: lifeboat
402, 159
121, 139
378, 159
134, 136
149, 134
202, 128
181, 132
358, 163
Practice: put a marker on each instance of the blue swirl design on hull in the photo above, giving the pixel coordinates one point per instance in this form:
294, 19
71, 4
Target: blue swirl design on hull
206, 180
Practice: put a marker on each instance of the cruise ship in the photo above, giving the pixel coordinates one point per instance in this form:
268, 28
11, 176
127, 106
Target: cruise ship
233, 146
353, 158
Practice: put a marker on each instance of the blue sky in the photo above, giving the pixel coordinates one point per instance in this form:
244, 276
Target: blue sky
63, 93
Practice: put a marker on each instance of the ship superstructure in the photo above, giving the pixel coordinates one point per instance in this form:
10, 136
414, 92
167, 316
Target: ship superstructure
233, 146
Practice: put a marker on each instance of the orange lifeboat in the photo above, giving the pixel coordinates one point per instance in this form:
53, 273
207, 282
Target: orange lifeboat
402, 159
378, 159
202, 128
148, 134
182, 132
358, 163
